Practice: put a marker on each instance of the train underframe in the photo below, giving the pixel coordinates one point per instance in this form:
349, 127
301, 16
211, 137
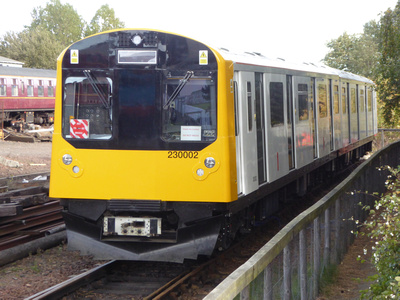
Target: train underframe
174, 231
40, 117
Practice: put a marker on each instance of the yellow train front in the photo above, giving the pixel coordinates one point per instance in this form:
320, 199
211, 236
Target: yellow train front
143, 153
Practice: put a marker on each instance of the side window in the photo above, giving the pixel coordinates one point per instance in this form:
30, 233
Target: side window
362, 100
50, 89
353, 100
302, 93
276, 100
344, 102
336, 99
30, 88
322, 101
40, 89
249, 106
369, 100
14, 88
2, 87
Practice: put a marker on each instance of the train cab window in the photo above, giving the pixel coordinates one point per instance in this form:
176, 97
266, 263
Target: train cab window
14, 88
189, 109
30, 88
322, 101
336, 99
2, 87
302, 93
276, 100
87, 106
40, 89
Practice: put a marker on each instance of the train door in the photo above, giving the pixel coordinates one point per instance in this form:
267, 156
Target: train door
303, 120
290, 123
261, 134
362, 116
246, 140
277, 133
345, 116
337, 118
353, 111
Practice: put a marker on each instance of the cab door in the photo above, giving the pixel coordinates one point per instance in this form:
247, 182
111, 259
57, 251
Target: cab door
246, 141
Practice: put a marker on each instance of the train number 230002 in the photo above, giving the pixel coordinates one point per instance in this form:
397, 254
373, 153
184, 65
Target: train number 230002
183, 154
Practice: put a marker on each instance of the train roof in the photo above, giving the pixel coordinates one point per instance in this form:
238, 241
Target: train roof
254, 58
27, 72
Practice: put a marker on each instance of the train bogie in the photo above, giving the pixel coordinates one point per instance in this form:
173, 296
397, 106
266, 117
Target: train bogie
164, 147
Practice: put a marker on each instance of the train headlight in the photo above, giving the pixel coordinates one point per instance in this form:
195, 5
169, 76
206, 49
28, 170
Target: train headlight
75, 169
200, 172
209, 162
67, 159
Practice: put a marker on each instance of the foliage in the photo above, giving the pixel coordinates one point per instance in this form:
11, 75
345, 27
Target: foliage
53, 28
388, 79
385, 229
36, 48
357, 53
103, 20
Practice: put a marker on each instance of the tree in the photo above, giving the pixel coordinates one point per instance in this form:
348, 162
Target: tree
355, 53
61, 20
37, 48
388, 70
103, 20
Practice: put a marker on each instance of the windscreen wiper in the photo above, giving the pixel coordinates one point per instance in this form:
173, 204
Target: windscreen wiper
94, 83
179, 88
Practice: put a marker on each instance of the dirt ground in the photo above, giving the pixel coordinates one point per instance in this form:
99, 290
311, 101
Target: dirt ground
37, 272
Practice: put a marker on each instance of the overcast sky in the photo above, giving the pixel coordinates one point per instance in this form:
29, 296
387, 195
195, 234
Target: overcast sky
292, 29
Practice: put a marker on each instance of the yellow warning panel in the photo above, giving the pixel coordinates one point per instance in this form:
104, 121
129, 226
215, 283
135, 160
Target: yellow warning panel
74, 56
203, 57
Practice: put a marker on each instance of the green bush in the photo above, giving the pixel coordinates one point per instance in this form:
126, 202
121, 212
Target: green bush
385, 230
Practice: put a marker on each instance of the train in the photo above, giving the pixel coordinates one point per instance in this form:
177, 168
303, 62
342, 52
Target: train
27, 95
165, 148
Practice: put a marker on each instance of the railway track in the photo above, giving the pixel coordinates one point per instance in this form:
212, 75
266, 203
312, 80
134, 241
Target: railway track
192, 280
26, 212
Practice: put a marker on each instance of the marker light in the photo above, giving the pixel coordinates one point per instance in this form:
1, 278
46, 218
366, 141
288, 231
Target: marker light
75, 169
209, 162
200, 172
67, 159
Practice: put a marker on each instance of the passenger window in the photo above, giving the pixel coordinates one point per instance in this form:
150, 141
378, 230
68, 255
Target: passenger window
344, 102
336, 99
40, 89
30, 88
362, 101
249, 106
322, 101
353, 100
302, 91
14, 88
2, 87
369, 100
276, 100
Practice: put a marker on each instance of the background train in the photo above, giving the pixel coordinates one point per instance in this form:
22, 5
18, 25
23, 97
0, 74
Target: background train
164, 148
27, 95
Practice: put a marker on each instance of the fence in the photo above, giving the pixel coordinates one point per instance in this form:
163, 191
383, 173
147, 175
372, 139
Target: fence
292, 264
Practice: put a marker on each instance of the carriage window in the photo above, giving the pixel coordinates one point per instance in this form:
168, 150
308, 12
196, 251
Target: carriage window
353, 100
276, 95
336, 99
369, 100
14, 88
189, 110
249, 106
87, 107
302, 91
344, 102
30, 88
322, 101
2, 87
362, 100
40, 89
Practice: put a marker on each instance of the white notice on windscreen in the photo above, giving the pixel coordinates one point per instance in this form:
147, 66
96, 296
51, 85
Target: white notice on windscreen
190, 133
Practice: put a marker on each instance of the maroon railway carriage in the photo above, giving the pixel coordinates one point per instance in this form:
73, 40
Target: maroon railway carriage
27, 95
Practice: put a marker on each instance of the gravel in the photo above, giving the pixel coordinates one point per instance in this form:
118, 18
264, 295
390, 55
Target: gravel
44, 269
